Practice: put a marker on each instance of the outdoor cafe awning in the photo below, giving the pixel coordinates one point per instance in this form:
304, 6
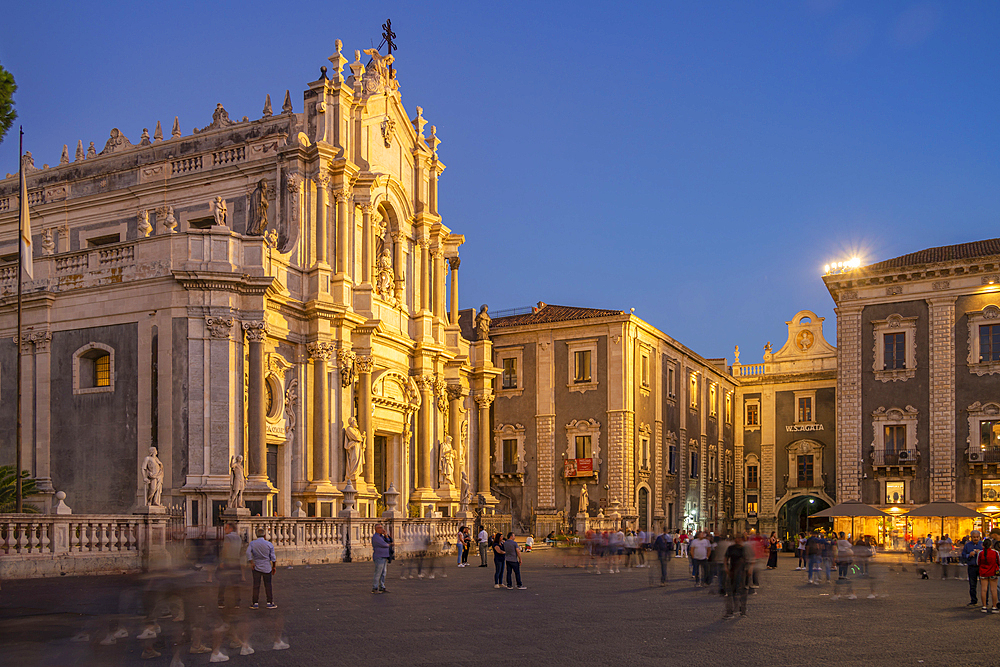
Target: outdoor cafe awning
851, 508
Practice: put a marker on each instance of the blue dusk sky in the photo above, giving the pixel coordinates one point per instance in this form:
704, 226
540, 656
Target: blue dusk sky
699, 162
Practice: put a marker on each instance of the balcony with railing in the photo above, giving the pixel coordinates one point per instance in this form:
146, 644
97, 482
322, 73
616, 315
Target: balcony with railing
904, 459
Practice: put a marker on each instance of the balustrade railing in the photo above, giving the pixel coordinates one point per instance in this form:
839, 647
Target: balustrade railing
899, 457
748, 370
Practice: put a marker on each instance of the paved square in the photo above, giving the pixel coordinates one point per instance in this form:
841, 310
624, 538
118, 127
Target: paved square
566, 616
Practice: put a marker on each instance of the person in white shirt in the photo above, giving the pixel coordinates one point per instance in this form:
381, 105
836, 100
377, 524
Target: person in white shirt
484, 545
700, 549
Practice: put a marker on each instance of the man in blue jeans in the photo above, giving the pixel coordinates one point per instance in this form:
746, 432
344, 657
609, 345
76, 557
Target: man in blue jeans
512, 557
381, 554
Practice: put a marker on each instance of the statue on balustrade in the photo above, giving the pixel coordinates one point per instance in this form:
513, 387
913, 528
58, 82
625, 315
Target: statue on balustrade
152, 475
237, 482
354, 445
483, 323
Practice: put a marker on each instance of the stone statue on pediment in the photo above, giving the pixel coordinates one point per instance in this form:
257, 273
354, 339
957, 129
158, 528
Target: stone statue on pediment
237, 482
354, 445
152, 477
258, 210
483, 323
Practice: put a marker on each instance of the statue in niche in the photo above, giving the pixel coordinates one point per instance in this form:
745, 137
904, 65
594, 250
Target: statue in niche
446, 462
483, 322
354, 445
385, 277
237, 483
219, 210
258, 210
584, 501
466, 492
152, 476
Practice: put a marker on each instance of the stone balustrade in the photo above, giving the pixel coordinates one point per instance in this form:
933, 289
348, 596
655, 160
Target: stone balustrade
748, 370
48, 545
44, 545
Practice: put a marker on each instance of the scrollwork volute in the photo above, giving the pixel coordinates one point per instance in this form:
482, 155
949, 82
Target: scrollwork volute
219, 327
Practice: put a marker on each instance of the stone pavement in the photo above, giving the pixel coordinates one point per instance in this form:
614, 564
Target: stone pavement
567, 616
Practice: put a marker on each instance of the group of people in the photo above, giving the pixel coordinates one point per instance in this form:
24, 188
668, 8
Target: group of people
834, 553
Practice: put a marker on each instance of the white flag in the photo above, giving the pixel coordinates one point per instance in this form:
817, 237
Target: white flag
26, 260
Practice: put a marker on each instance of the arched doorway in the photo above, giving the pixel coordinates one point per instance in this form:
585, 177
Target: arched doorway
643, 508
794, 516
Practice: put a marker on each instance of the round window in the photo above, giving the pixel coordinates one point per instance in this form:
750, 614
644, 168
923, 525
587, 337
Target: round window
272, 397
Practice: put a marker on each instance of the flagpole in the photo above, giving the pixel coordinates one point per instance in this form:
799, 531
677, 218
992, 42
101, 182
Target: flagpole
20, 265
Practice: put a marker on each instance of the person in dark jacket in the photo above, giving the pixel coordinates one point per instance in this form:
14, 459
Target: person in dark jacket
972, 547
381, 555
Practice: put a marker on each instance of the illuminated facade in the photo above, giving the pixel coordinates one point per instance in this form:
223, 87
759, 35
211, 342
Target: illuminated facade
603, 399
247, 290
918, 385
785, 431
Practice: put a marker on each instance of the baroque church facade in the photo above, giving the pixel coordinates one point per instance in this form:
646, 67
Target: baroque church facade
281, 289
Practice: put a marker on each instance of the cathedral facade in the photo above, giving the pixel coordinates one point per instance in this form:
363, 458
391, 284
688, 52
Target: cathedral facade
282, 289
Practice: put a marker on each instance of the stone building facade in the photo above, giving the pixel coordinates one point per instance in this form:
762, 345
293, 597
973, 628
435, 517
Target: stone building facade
918, 414
785, 438
246, 290
602, 399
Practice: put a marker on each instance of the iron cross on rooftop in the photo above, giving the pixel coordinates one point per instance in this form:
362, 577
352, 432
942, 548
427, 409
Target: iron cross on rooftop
387, 36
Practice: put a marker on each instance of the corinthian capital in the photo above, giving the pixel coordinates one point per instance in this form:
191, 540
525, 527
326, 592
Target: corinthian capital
365, 364
425, 382
320, 351
323, 180
454, 263
343, 195
457, 392
485, 400
256, 330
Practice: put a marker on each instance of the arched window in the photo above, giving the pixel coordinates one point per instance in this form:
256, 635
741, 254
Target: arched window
94, 369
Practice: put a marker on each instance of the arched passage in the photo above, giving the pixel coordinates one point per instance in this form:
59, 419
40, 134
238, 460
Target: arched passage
794, 515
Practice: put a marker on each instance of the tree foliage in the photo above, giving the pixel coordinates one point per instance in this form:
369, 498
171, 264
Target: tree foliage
7, 113
8, 490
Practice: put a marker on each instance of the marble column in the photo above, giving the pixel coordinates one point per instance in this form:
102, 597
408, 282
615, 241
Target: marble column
425, 431
484, 400
425, 272
437, 267
322, 218
367, 236
397, 261
453, 263
365, 365
343, 231
256, 331
320, 353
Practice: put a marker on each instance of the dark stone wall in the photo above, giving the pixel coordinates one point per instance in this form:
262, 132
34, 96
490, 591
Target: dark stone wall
519, 410
969, 388
8, 400
94, 436
899, 394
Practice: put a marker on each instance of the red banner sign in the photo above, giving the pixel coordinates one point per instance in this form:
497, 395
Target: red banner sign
578, 467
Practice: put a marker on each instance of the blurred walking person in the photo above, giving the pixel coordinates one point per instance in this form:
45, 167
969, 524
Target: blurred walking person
230, 573
736, 577
664, 546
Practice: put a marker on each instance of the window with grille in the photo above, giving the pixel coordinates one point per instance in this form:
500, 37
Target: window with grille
805, 469
102, 370
672, 459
